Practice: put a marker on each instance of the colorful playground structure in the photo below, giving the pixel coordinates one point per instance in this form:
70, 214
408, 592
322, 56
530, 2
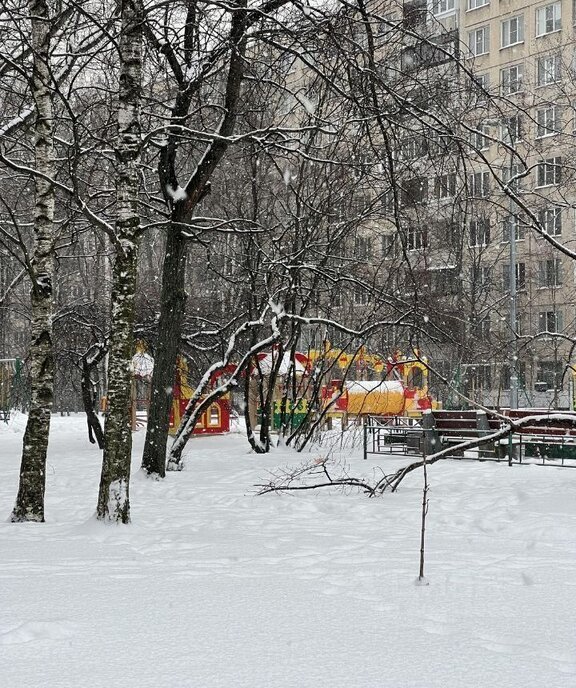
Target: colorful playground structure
405, 394
401, 390
216, 418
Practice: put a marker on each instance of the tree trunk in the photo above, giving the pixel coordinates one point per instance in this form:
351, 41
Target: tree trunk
89, 398
173, 299
30, 500
172, 304
113, 496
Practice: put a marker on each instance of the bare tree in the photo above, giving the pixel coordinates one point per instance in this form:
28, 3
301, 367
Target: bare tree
113, 496
30, 500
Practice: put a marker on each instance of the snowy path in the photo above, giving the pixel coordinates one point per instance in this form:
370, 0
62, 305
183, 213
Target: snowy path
214, 587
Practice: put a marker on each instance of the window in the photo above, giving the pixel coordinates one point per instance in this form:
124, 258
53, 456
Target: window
358, 204
475, 4
547, 121
511, 79
445, 185
389, 246
413, 148
414, 13
550, 171
415, 191
479, 184
481, 277
550, 272
551, 220
520, 277
444, 281
443, 6
440, 144
478, 377
549, 374
513, 226
479, 86
362, 248
388, 201
479, 41
512, 31
479, 139
361, 296
214, 416
480, 232
416, 239
548, 19
548, 69
510, 131
480, 329
510, 176
550, 321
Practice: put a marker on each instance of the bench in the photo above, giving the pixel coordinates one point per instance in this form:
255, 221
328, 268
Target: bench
443, 429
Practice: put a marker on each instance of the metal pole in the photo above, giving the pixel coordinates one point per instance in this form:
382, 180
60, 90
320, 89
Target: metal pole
513, 311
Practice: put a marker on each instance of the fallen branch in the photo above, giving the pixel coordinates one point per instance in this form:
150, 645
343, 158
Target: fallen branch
284, 482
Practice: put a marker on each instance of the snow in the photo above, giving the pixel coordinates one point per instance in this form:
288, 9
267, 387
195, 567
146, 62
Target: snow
142, 365
268, 362
212, 586
177, 194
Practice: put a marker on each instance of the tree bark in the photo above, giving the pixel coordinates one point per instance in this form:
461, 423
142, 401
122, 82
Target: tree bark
114, 494
173, 302
173, 299
89, 362
30, 499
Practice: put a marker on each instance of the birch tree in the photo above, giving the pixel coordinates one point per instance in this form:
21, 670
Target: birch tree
30, 499
113, 496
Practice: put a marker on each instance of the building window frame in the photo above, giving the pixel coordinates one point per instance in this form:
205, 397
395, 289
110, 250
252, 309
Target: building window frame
547, 121
549, 273
511, 129
512, 79
512, 31
548, 69
479, 40
549, 172
479, 232
477, 4
551, 220
548, 19
551, 321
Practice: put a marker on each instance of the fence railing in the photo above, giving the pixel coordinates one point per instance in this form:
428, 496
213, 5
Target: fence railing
517, 448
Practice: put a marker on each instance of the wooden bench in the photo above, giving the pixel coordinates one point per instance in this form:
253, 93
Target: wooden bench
445, 428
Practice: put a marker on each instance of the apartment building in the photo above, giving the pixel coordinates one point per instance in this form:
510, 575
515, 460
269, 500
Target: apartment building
473, 213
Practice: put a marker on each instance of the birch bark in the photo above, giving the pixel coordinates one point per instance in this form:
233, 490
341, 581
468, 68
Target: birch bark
114, 494
30, 499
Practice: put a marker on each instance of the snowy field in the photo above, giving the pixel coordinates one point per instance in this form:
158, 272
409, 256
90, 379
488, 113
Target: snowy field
212, 586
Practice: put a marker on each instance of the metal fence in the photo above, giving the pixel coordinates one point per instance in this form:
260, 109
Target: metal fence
404, 437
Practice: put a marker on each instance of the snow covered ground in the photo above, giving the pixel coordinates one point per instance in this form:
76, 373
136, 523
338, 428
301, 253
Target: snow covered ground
212, 586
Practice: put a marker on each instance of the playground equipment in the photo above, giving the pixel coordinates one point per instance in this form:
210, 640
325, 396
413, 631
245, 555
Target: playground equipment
405, 395
142, 368
10, 375
216, 418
